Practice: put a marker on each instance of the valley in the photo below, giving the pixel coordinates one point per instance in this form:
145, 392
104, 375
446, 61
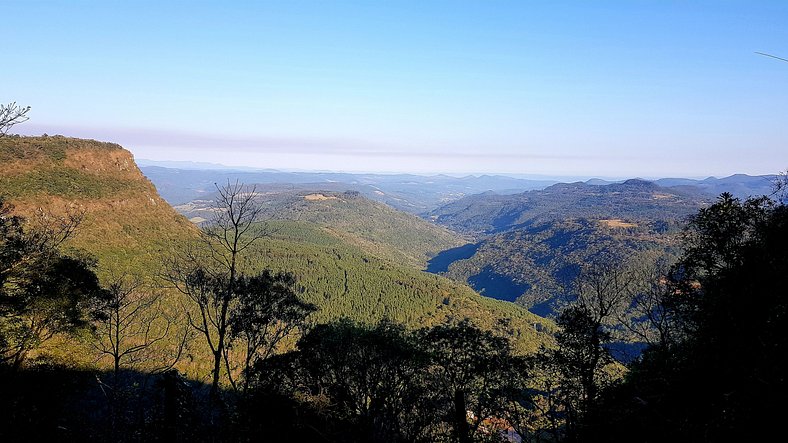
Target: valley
501, 269
393, 222
524, 247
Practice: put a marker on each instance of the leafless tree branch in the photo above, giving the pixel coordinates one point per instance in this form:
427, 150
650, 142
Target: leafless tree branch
10, 115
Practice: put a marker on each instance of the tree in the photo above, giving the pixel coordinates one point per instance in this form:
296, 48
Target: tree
780, 187
471, 368
10, 115
208, 274
366, 381
648, 318
581, 358
43, 292
538, 409
268, 310
130, 321
580, 367
721, 376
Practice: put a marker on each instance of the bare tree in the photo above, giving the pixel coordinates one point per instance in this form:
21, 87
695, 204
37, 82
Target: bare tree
648, 317
49, 230
10, 115
131, 322
134, 330
588, 325
780, 187
604, 289
208, 274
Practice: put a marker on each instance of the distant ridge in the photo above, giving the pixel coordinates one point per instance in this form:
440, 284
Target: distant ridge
631, 199
412, 193
198, 166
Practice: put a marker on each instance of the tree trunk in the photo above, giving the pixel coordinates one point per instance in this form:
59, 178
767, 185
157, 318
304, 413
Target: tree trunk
217, 367
461, 417
170, 381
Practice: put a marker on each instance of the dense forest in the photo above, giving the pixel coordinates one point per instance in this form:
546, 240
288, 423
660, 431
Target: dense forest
374, 227
529, 248
255, 328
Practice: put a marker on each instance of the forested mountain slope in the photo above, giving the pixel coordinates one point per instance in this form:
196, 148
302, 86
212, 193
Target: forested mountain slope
375, 227
531, 246
346, 281
537, 265
633, 200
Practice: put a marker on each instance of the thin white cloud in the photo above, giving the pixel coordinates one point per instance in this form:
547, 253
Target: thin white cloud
186, 141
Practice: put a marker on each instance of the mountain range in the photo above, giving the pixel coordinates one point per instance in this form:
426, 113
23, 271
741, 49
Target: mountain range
181, 182
511, 239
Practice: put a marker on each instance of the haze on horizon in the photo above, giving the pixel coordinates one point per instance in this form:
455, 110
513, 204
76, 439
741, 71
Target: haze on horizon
652, 88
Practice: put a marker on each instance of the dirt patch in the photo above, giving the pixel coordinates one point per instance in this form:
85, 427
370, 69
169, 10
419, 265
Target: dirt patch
318, 197
617, 223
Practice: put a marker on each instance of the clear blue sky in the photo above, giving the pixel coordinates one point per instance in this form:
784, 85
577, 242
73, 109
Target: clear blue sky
629, 88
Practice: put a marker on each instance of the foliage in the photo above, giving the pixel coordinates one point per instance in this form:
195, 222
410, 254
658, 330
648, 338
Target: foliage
383, 383
722, 375
471, 370
267, 312
43, 292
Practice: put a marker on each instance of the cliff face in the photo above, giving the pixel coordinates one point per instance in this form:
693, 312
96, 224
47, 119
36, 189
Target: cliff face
127, 225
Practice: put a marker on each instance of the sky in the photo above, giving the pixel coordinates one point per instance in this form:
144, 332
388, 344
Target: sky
581, 88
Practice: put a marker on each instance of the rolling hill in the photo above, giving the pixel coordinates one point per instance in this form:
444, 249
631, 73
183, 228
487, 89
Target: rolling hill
346, 281
374, 227
537, 265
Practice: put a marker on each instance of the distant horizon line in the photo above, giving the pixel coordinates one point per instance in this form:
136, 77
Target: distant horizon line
211, 166
359, 158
